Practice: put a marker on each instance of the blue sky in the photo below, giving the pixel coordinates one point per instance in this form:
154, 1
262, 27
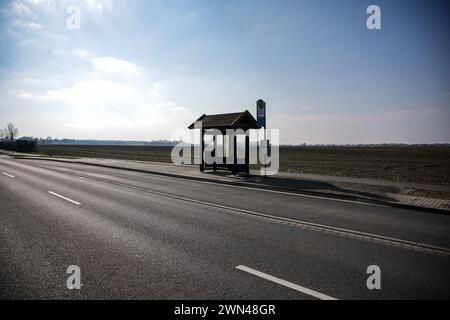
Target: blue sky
141, 69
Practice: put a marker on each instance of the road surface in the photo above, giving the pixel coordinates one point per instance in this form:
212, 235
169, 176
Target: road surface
142, 236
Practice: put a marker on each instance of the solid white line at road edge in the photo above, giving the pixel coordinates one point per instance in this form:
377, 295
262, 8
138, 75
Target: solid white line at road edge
8, 175
124, 171
64, 198
285, 283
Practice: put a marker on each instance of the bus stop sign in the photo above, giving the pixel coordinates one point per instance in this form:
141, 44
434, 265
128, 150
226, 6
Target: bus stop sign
261, 113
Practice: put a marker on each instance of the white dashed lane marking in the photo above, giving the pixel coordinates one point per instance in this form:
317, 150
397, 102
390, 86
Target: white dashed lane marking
64, 198
285, 283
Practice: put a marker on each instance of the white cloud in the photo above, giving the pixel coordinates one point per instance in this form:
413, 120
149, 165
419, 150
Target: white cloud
114, 66
99, 106
82, 53
156, 90
94, 94
34, 26
154, 94
20, 8
100, 4
22, 94
42, 3
33, 44
116, 110
31, 26
158, 86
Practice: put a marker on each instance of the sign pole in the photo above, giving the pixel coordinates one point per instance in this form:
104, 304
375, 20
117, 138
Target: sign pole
265, 153
261, 118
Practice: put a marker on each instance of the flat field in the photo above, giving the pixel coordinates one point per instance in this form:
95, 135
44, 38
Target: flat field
411, 164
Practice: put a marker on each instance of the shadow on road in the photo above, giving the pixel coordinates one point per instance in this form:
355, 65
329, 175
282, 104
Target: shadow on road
305, 185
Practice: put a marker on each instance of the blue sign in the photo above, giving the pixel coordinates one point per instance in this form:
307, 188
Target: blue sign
261, 113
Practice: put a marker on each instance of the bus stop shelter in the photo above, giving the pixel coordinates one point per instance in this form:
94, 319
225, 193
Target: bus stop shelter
211, 125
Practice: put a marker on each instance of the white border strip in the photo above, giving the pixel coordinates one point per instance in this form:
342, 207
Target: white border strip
254, 188
385, 240
125, 171
285, 283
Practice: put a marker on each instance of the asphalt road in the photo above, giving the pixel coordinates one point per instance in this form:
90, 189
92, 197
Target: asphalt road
142, 236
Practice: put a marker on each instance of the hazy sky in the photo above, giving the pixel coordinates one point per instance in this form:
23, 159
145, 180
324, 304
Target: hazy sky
140, 69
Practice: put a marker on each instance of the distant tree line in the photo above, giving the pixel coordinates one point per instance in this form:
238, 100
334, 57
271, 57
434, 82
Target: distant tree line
50, 140
370, 145
9, 141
